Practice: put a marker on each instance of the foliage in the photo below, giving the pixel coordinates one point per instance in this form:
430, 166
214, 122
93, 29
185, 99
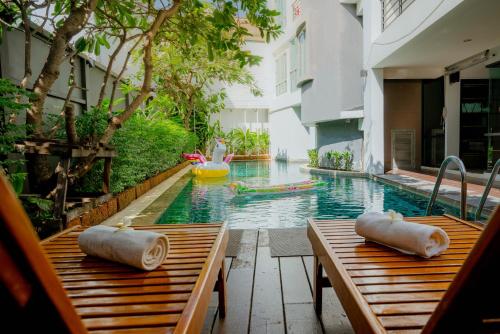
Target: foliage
40, 212
340, 160
313, 158
241, 142
348, 160
10, 132
190, 83
208, 30
145, 147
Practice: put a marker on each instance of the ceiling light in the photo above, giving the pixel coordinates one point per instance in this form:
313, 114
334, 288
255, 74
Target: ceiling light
467, 40
468, 62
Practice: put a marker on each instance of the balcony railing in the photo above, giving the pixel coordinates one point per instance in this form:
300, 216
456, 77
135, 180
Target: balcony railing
392, 9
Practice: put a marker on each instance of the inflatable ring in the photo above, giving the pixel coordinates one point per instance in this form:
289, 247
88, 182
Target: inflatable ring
210, 169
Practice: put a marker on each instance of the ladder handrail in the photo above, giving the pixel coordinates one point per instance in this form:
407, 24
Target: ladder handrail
463, 188
487, 189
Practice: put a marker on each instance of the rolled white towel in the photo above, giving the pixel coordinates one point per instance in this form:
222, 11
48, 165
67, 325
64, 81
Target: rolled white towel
391, 230
141, 249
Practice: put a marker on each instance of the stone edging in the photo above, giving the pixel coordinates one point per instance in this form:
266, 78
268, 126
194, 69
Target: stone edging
332, 172
251, 157
115, 203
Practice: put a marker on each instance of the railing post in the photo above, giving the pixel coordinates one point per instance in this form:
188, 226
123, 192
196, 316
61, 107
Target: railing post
487, 189
463, 188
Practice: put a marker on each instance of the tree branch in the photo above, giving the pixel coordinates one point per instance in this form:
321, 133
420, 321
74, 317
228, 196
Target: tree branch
72, 25
112, 59
116, 122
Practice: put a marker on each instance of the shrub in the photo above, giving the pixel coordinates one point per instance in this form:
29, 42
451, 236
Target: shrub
11, 105
340, 160
337, 159
348, 159
145, 147
313, 158
239, 141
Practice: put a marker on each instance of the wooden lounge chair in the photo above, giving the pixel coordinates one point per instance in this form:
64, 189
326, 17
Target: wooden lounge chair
52, 287
385, 291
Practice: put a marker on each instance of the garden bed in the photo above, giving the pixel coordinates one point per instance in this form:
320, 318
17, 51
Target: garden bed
96, 210
332, 172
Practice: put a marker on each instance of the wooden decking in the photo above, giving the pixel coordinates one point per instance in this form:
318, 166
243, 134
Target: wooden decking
272, 295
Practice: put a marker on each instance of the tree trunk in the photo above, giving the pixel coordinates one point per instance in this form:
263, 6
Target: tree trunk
38, 166
116, 122
50, 71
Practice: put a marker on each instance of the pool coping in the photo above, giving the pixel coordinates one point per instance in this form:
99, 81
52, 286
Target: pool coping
135, 210
332, 172
450, 197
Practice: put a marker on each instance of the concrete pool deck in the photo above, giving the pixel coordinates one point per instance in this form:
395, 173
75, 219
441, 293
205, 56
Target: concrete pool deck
449, 192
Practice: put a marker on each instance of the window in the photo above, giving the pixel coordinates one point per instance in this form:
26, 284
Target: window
280, 6
302, 53
297, 59
281, 74
294, 64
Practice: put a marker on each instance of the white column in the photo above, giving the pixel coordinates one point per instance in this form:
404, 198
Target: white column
452, 117
373, 123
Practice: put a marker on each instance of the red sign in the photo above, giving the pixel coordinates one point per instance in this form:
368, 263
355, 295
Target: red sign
297, 8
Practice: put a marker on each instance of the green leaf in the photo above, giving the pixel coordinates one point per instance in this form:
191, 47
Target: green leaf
97, 49
81, 44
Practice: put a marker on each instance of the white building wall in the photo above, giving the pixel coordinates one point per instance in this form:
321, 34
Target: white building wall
239, 96
242, 108
373, 122
415, 19
290, 139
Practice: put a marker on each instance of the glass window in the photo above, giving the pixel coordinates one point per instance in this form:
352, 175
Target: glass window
302, 53
280, 6
281, 74
294, 65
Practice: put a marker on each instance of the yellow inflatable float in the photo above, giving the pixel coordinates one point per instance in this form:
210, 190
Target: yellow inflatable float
218, 167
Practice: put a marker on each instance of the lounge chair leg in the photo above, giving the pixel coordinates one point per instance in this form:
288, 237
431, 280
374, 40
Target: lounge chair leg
318, 285
221, 287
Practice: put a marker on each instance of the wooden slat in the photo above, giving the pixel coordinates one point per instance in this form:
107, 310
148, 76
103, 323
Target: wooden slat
122, 310
239, 285
267, 307
131, 321
404, 308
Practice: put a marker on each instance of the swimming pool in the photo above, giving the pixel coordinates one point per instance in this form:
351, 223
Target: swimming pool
204, 201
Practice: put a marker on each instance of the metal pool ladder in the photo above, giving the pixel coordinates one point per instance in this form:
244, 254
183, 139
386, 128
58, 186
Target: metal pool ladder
487, 189
463, 188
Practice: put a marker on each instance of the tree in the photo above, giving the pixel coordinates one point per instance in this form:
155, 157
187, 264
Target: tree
88, 25
190, 84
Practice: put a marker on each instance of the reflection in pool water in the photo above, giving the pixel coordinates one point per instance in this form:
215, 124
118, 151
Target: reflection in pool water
210, 200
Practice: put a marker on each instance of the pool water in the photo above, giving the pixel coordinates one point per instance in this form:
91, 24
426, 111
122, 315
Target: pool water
204, 201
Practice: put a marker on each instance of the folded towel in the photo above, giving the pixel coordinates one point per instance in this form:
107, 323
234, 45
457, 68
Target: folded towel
141, 249
391, 230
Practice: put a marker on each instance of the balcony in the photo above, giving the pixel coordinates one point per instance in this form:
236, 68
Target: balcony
392, 9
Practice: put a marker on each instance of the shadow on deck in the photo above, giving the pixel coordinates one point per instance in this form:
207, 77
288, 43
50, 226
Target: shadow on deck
272, 294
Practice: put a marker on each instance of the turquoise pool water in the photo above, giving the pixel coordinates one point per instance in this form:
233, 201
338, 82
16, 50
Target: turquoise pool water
344, 197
